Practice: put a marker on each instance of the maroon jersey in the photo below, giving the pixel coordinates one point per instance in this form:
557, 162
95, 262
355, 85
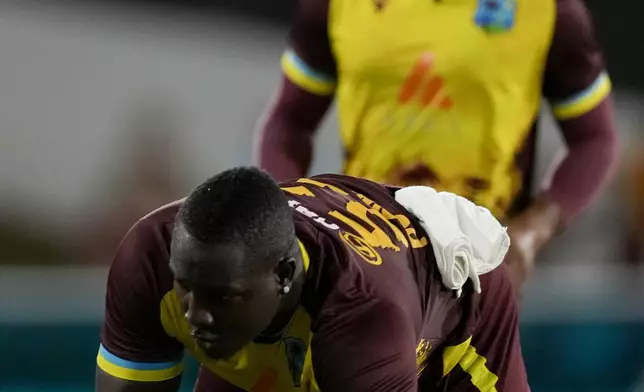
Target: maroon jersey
374, 314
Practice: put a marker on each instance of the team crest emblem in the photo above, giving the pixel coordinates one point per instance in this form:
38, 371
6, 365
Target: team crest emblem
496, 16
295, 355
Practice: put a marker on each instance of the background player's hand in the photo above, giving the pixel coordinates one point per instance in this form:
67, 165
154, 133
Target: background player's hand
521, 255
529, 232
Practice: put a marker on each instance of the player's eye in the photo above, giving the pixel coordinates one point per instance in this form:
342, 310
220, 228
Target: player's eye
229, 298
232, 298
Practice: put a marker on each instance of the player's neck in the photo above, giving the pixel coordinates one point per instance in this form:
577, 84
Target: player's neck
282, 319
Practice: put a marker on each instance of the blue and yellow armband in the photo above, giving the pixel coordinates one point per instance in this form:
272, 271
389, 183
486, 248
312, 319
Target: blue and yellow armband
137, 371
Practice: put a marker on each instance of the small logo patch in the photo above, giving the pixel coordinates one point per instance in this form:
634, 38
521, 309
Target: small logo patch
496, 16
424, 86
362, 247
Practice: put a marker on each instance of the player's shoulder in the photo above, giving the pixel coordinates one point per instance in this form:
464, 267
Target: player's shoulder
343, 185
313, 10
153, 229
573, 22
161, 216
563, 4
572, 11
143, 255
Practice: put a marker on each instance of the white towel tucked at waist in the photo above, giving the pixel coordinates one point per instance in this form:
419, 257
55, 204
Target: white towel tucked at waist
467, 240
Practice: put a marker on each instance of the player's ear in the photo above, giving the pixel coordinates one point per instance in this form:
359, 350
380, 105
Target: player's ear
285, 271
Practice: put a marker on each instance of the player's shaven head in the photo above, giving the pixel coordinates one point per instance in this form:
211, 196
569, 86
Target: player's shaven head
242, 206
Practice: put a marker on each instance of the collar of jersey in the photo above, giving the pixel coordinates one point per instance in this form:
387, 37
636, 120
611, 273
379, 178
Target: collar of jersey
306, 261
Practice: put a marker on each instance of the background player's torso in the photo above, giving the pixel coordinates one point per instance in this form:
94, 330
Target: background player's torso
422, 82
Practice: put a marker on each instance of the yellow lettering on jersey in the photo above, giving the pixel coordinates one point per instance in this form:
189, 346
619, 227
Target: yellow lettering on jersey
374, 235
377, 236
363, 210
298, 191
411, 232
404, 221
323, 185
369, 231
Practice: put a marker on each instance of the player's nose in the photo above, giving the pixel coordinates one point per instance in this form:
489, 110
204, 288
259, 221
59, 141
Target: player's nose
199, 317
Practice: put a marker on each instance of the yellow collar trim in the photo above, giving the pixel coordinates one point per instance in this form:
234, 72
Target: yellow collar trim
305, 256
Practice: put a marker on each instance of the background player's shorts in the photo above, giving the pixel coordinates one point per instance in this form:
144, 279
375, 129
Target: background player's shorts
491, 361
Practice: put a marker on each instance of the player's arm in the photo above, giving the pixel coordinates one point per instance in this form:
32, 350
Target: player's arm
136, 354
109, 383
579, 90
364, 347
284, 140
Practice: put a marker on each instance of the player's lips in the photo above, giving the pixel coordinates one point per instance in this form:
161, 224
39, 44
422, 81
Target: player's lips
214, 347
206, 337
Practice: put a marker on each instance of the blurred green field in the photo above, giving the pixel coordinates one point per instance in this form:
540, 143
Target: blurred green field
559, 357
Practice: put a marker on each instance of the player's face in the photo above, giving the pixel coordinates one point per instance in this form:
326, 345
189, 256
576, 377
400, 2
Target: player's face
225, 306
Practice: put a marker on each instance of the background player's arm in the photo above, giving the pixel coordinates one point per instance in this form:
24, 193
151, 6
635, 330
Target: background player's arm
579, 90
136, 355
366, 347
284, 144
